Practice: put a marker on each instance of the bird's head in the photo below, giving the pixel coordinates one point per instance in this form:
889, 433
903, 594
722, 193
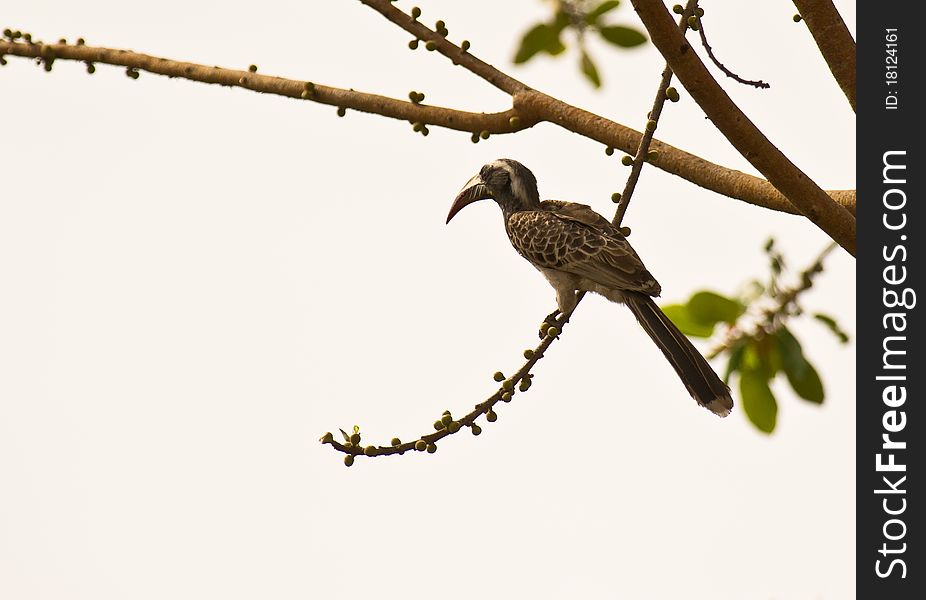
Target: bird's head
506, 181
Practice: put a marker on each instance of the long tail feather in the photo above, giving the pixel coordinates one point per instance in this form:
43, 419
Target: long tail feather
693, 369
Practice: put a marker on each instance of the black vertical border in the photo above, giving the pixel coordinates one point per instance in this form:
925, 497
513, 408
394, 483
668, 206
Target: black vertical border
880, 130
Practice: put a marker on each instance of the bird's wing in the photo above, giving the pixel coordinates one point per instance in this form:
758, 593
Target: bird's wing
575, 239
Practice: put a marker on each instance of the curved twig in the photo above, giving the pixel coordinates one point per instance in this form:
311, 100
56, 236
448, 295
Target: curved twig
508, 386
710, 53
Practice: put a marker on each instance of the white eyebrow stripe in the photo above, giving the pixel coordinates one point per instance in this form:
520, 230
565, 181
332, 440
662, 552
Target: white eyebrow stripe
517, 184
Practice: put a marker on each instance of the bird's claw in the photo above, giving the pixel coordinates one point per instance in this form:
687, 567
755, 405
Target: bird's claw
551, 320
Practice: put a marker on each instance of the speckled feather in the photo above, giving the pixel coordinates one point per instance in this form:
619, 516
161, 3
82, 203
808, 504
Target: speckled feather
574, 239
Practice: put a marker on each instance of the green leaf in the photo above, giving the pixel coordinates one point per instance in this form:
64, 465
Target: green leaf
625, 37
831, 324
758, 401
542, 37
802, 376
710, 308
596, 13
735, 361
590, 70
679, 314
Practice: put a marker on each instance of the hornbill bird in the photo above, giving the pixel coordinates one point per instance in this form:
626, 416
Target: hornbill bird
577, 249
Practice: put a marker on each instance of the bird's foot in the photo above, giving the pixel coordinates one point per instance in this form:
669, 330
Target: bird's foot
551, 320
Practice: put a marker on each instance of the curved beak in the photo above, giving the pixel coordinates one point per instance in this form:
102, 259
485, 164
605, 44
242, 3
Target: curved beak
474, 190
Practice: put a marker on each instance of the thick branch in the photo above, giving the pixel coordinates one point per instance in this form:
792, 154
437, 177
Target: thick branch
834, 41
352, 99
812, 201
542, 107
530, 106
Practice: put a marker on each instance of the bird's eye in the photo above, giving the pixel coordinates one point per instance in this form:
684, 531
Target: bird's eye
500, 179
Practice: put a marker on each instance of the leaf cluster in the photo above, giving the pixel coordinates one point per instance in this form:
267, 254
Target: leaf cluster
757, 355
581, 17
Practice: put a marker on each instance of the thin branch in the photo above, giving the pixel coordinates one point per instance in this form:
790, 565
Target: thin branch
710, 52
812, 201
652, 120
772, 318
529, 108
833, 39
504, 393
441, 44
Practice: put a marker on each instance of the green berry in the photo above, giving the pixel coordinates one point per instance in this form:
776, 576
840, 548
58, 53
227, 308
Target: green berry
8, 33
499, 376
652, 155
553, 331
625, 231
693, 23
507, 385
413, 45
27, 37
438, 425
342, 111
430, 45
439, 25
609, 150
417, 127
421, 445
431, 448
416, 12
476, 429
506, 396
464, 45
474, 138
348, 460
484, 134
699, 11
514, 122
651, 126
678, 9
797, 18
80, 41
396, 442
627, 160
446, 419
453, 427
491, 417
528, 354
616, 197
370, 450
253, 68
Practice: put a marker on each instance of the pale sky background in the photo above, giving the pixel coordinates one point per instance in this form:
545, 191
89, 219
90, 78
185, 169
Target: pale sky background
198, 282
